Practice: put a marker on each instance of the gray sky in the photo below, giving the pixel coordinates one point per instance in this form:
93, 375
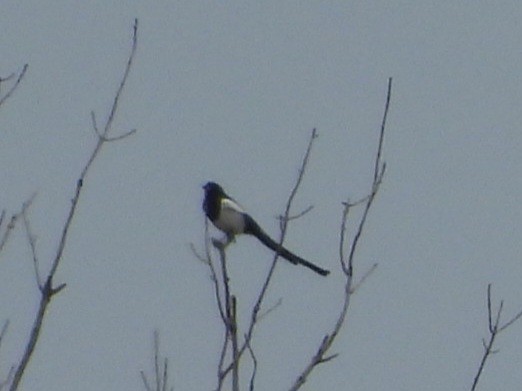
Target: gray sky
230, 92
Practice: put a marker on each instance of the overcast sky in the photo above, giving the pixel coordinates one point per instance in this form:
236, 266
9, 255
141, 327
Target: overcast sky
230, 91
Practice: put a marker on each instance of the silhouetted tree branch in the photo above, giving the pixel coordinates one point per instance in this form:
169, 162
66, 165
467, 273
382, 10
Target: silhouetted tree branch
347, 265
495, 327
46, 285
227, 302
9, 227
161, 370
232, 351
15, 85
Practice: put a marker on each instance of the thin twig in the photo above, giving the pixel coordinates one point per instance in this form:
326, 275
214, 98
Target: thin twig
298, 215
31, 239
235, 350
156, 361
269, 310
254, 369
4, 331
145, 381
161, 369
363, 278
221, 373
494, 328
3, 79
12, 221
15, 85
104, 137
342, 238
378, 168
198, 256
510, 322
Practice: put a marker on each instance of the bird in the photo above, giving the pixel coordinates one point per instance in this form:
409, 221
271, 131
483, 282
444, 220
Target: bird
227, 216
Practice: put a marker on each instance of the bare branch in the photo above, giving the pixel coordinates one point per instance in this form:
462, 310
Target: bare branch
15, 85
7, 380
347, 265
494, 329
235, 350
47, 289
12, 221
510, 322
145, 381
326, 359
254, 361
283, 226
230, 323
269, 310
379, 169
4, 331
221, 373
255, 314
104, 137
108, 124
3, 79
298, 215
363, 278
161, 370
490, 322
31, 240
362, 221
156, 361
198, 256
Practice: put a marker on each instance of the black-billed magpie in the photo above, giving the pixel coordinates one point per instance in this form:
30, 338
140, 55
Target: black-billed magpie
230, 218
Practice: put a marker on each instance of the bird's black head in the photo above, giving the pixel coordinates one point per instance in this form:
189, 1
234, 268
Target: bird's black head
212, 200
213, 187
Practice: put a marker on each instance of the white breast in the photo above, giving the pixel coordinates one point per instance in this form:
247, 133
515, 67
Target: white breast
230, 218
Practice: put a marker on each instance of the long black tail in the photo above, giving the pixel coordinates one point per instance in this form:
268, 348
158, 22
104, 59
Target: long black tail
253, 228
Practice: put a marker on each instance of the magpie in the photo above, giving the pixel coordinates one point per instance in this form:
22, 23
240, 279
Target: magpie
229, 217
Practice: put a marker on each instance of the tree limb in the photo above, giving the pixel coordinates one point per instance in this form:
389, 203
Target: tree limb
347, 265
48, 291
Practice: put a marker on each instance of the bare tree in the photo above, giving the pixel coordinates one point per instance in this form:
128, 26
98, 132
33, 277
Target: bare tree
236, 343
47, 288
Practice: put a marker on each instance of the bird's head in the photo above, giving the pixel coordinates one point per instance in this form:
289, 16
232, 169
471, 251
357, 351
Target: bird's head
213, 188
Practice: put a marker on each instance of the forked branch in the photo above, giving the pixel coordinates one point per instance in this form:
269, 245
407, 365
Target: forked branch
347, 265
495, 327
227, 302
46, 286
160, 381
